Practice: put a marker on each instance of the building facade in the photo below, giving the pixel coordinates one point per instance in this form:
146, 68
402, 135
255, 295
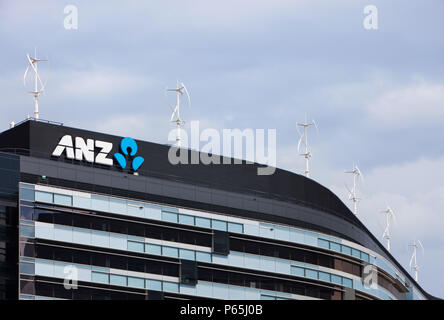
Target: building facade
78, 221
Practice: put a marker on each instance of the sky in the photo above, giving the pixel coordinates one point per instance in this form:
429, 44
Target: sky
377, 95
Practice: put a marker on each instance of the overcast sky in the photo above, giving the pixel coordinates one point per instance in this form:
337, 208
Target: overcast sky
377, 95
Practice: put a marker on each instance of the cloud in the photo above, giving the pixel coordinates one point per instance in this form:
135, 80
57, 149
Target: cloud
418, 104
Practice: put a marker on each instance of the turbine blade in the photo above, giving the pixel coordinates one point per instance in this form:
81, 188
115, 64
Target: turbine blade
188, 94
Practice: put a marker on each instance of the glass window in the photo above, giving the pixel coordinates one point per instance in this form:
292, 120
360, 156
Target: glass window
297, 271
186, 219
99, 277
346, 250
153, 249
43, 196
203, 222
62, 199
335, 246
26, 212
136, 209
336, 279
311, 273
170, 252
27, 268
27, 231
324, 276
117, 280
203, 256
117, 206
26, 194
99, 203
323, 244
356, 253
135, 246
155, 285
347, 282
235, 227
81, 202
136, 282
169, 216
186, 254
170, 287
365, 257
219, 225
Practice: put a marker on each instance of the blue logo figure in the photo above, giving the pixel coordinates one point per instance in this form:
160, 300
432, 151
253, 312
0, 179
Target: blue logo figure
125, 144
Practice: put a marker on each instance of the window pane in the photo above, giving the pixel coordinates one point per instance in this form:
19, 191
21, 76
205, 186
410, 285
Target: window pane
186, 254
297, 271
335, 246
169, 216
27, 231
99, 277
311, 273
81, 202
347, 282
203, 256
323, 243
365, 257
62, 199
136, 282
186, 219
336, 279
153, 249
99, 203
219, 225
135, 246
26, 194
235, 227
155, 285
170, 287
43, 196
117, 206
324, 276
346, 250
27, 268
356, 253
170, 252
118, 280
203, 222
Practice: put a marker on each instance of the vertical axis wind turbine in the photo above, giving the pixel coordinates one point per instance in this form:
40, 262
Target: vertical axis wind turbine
175, 116
389, 215
352, 193
413, 265
37, 81
303, 138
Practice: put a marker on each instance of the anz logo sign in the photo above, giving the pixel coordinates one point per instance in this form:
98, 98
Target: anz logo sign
79, 149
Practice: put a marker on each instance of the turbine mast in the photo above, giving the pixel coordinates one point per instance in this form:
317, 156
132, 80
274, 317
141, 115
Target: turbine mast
389, 214
175, 116
352, 193
413, 262
303, 139
37, 81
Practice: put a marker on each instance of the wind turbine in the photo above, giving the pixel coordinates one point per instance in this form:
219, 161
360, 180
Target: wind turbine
303, 139
37, 81
352, 193
180, 90
413, 265
389, 215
